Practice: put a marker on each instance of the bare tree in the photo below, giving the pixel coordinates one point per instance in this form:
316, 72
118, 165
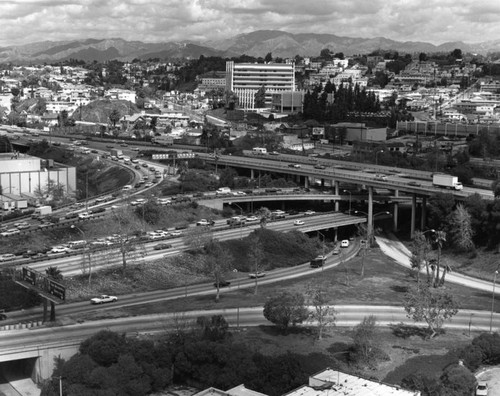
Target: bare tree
218, 263
323, 314
256, 256
461, 229
197, 237
263, 213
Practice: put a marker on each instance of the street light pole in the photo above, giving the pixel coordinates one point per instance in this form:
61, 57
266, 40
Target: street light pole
376, 156
323, 238
350, 199
493, 299
370, 237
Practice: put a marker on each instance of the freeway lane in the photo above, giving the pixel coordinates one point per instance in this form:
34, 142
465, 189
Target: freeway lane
72, 265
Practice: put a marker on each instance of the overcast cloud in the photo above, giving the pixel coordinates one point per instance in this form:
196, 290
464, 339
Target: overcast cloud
435, 21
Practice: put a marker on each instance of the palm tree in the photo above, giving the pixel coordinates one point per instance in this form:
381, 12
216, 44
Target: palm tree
440, 239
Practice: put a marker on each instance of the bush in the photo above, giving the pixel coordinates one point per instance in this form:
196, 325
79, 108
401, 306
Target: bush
490, 347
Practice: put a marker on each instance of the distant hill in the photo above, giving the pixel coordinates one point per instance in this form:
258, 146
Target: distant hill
258, 43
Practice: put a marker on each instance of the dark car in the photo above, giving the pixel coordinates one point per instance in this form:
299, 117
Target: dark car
223, 283
293, 212
94, 151
3, 316
181, 227
319, 166
162, 246
414, 184
97, 210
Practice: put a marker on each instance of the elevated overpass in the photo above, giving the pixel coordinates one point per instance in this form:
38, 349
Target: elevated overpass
306, 171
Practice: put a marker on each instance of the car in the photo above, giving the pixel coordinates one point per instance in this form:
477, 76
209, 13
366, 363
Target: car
381, 177
153, 235
135, 149
482, 388
293, 212
414, 184
344, 243
309, 212
294, 165
336, 250
239, 193
175, 233
38, 256
124, 145
7, 257
137, 167
251, 219
274, 153
3, 316
149, 184
24, 226
162, 246
56, 144
298, 222
222, 283
258, 274
144, 165
84, 215
102, 299
319, 166
94, 151
59, 249
110, 146
205, 222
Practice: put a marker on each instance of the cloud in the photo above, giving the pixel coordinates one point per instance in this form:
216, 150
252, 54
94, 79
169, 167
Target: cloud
26, 21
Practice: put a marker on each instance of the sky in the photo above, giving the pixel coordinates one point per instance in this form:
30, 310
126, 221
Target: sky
434, 21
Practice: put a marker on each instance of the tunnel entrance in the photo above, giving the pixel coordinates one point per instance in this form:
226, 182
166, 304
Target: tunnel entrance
16, 377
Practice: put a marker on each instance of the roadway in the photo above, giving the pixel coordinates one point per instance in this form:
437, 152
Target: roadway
72, 265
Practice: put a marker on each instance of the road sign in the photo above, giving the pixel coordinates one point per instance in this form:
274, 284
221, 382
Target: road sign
42, 284
185, 155
161, 156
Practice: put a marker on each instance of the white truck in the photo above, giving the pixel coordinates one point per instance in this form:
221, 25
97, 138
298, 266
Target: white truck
446, 181
41, 211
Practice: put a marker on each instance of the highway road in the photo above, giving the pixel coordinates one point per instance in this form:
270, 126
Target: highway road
72, 265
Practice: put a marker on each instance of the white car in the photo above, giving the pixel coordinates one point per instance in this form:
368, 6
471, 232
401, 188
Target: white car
251, 219
149, 184
7, 257
84, 215
175, 233
205, 222
259, 274
154, 235
344, 243
59, 249
298, 222
103, 299
482, 388
309, 212
239, 193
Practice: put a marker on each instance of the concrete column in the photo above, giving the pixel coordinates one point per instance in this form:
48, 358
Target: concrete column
337, 192
252, 174
322, 182
369, 227
335, 234
306, 181
413, 214
395, 213
423, 214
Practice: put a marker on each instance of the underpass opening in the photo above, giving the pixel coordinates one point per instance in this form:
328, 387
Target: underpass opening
19, 374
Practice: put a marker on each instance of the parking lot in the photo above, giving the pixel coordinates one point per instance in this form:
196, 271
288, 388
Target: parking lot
492, 377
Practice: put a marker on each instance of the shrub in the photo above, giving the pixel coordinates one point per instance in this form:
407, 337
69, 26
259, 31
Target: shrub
490, 346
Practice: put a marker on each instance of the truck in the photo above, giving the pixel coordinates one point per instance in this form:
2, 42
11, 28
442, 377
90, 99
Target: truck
236, 221
116, 153
41, 211
163, 140
446, 181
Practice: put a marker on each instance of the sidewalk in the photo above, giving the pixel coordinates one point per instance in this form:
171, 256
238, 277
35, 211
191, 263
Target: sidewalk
395, 249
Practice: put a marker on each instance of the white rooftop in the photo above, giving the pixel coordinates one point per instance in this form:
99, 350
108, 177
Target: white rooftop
332, 382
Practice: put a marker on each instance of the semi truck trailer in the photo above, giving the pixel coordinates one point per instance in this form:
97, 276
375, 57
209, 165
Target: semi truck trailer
446, 181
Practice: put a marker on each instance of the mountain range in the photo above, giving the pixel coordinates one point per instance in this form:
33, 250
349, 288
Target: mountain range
258, 43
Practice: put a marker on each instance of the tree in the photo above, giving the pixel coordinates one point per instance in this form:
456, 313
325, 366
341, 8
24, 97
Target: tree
286, 309
218, 263
214, 329
420, 248
325, 54
104, 347
323, 314
461, 229
457, 380
269, 57
260, 97
364, 336
263, 213
495, 187
439, 239
54, 273
256, 256
422, 57
114, 117
433, 306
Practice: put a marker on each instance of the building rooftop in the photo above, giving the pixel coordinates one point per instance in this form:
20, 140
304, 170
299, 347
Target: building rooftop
241, 390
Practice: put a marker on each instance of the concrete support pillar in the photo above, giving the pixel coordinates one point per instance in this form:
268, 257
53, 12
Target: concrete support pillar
423, 214
252, 174
322, 182
337, 192
413, 215
395, 213
369, 227
282, 205
335, 234
306, 181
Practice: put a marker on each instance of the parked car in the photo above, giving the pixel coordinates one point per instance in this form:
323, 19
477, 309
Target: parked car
482, 388
103, 299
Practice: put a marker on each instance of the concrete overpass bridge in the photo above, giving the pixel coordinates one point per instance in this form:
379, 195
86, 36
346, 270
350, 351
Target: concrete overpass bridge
399, 184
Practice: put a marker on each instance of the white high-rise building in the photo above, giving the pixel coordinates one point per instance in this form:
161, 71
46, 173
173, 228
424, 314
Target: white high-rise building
245, 79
